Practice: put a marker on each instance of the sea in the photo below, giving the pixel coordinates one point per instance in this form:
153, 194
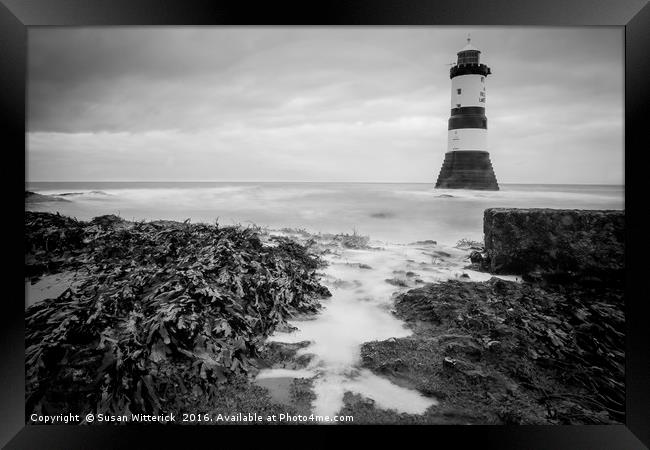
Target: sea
390, 212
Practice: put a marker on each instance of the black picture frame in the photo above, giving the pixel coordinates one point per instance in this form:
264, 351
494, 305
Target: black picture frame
634, 15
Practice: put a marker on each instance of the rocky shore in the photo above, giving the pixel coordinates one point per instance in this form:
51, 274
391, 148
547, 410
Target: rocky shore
174, 317
500, 352
546, 351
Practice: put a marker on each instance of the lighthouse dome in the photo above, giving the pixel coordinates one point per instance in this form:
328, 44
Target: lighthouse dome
469, 48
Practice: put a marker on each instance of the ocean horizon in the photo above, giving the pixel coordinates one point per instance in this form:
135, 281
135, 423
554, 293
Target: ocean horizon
390, 212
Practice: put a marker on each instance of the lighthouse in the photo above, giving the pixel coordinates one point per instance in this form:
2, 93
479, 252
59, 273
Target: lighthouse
467, 162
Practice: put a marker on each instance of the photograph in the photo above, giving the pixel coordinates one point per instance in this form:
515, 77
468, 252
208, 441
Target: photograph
320, 225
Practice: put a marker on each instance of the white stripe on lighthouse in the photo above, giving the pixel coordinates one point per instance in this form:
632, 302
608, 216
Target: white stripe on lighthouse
467, 139
472, 91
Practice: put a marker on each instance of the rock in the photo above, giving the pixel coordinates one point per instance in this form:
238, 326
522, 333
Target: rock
396, 282
464, 275
476, 257
465, 368
448, 363
558, 244
347, 284
107, 221
426, 242
470, 349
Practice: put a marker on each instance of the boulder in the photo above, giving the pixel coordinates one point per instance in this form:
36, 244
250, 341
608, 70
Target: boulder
475, 257
585, 244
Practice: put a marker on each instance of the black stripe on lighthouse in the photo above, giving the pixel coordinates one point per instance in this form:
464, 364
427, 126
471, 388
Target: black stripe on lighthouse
468, 110
469, 69
468, 117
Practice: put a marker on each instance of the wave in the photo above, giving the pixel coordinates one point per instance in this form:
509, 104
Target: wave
88, 193
547, 195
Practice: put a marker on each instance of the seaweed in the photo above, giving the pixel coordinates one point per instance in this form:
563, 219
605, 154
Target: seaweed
470, 244
353, 241
166, 311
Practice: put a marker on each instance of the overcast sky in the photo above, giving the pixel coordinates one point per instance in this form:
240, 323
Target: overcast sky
317, 104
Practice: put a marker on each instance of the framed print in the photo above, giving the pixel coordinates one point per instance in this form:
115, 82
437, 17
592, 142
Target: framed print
364, 216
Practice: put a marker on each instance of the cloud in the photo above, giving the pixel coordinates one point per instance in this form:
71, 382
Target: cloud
326, 104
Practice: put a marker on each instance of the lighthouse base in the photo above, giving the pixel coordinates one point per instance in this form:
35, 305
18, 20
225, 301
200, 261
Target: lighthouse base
465, 169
